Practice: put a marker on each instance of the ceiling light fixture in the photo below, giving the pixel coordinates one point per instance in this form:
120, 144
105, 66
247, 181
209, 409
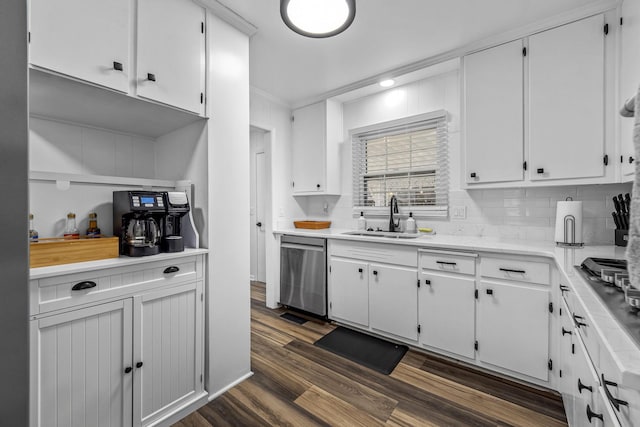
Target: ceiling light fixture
387, 82
318, 18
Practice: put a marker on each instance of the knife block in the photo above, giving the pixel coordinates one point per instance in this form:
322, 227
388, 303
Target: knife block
622, 237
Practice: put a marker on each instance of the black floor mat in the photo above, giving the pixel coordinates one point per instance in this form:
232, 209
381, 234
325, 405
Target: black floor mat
293, 318
374, 353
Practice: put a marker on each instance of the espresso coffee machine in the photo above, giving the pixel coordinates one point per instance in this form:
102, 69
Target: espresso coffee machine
137, 220
177, 206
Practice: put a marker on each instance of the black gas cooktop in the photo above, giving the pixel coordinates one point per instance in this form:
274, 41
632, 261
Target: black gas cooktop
600, 274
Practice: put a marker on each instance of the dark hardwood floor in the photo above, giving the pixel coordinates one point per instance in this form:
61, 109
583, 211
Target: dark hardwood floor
298, 384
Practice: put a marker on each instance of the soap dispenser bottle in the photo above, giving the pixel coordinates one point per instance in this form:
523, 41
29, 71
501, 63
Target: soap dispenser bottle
410, 226
362, 222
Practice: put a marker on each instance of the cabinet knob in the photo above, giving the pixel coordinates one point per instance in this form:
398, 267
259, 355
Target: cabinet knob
151, 77
318, 186
128, 370
427, 282
117, 66
83, 285
591, 414
472, 175
583, 387
564, 332
489, 291
139, 365
360, 270
258, 224
631, 159
375, 273
540, 170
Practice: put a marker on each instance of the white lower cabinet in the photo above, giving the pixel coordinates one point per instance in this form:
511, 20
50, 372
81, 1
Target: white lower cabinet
512, 327
132, 361
447, 313
81, 371
393, 300
348, 288
167, 353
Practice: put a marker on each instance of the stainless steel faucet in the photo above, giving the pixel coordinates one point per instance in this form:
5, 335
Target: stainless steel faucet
393, 203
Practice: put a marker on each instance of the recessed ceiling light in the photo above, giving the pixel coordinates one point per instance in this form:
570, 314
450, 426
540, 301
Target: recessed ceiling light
318, 18
387, 82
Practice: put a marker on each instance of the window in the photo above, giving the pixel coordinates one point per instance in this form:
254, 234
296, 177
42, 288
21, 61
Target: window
406, 158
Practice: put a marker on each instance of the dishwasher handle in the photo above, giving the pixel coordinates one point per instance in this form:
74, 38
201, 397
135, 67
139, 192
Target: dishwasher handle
302, 247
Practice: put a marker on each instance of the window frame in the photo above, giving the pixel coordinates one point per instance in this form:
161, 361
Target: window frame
441, 209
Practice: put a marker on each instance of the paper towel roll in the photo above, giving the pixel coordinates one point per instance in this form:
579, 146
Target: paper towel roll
569, 223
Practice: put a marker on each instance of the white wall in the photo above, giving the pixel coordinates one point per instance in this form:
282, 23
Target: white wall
228, 298
269, 113
509, 213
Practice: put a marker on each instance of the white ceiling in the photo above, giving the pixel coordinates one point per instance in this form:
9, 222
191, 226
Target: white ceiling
386, 35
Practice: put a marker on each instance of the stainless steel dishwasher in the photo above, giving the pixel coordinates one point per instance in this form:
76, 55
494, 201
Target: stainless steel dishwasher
303, 274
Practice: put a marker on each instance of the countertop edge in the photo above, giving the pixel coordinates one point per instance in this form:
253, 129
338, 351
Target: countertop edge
79, 267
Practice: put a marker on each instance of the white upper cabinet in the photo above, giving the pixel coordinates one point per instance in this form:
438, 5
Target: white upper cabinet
316, 134
566, 101
493, 88
629, 81
538, 110
85, 39
170, 53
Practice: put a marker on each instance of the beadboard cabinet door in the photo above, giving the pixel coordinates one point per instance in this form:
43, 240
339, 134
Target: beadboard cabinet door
566, 101
81, 367
493, 111
167, 356
171, 54
85, 39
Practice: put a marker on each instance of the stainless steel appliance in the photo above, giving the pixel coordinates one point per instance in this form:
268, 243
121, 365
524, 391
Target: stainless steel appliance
137, 216
303, 274
610, 280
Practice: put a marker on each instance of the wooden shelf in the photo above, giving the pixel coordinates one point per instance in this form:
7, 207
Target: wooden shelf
102, 179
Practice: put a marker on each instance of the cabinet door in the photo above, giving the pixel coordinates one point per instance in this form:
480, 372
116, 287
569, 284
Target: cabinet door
566, 97
78, 362
82, 39
309, 158
629, 80
494, 114
584, 387
447, 313
170, 53
393, 300
349, 291
513, 328
167, 355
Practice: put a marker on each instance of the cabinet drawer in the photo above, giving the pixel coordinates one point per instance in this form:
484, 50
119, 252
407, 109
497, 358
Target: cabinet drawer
515, 269
60, 292
448, 261
623, 399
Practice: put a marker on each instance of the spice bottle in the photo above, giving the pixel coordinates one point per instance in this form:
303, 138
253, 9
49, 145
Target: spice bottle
93, 230
71, 230
33, 233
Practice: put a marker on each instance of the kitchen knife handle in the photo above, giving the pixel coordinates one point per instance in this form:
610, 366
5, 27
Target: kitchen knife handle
616, 220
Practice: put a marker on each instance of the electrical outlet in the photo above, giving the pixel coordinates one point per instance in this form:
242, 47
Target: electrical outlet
458, 212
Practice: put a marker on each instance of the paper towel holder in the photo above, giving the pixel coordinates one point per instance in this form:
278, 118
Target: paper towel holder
569, 230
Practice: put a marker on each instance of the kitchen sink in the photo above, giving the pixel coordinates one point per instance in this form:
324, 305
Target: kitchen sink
387, 234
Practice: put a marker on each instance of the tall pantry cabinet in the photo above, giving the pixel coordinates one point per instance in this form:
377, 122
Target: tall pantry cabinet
119, 101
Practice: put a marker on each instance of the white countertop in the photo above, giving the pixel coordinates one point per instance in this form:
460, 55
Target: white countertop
625, 351
78, 267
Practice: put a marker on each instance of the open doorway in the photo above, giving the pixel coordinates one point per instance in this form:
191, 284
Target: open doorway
260, 201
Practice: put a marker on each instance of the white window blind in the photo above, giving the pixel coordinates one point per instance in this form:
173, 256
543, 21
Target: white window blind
408, 159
